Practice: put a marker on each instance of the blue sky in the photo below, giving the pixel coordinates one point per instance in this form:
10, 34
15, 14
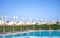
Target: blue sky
45, 9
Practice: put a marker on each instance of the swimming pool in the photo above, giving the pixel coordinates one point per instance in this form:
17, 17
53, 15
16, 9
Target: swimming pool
35, 34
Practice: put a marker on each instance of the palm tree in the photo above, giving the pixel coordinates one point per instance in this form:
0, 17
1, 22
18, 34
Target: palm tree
23, 20
14, 20
4, 20
30, 20
57, 22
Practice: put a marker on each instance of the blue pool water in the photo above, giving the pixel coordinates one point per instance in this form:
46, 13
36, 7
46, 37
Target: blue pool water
45, 34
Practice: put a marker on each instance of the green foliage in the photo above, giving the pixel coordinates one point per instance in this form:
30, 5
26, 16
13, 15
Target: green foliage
36, 27
8, 28
44, 27
1, 28
30, 27
55, 27
17, 28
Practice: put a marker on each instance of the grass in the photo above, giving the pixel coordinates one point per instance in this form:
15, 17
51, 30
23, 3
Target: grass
30, 27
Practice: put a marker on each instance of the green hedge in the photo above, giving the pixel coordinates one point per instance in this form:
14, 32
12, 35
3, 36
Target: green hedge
55, 27
45, 27
1, 28
30, 27
17, 28
8, 28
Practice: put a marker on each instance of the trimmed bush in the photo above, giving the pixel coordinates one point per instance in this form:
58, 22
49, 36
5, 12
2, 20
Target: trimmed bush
55, 27
30, 27
1, 28
44, 27
8, 28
